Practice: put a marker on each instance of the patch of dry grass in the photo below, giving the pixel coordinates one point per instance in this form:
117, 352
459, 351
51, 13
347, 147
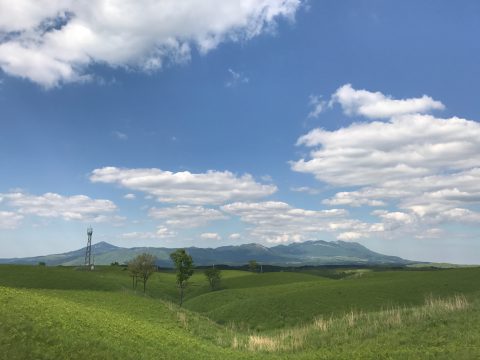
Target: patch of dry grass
353, 323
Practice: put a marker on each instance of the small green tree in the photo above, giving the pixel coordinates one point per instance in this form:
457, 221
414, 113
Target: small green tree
142, 266
253, 265
42, 263
213, 276
184, 266
133, 269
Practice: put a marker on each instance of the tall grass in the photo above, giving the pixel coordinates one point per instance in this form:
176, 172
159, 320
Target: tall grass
355, 324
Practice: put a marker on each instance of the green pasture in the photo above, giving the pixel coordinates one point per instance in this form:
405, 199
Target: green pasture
63, 312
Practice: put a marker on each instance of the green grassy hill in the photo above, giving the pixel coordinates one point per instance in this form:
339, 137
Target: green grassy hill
60, 312
282, 302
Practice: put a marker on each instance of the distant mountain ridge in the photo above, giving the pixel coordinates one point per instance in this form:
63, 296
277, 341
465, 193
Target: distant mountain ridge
315, 252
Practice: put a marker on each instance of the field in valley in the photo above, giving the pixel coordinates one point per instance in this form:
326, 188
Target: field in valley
61, 312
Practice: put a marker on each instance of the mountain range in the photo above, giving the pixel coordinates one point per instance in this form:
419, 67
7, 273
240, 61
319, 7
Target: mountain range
316, 252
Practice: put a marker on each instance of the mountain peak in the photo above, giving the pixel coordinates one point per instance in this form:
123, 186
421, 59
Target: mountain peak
313, 252
103, 245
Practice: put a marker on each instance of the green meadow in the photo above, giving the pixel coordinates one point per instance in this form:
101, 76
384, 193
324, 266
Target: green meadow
64, 313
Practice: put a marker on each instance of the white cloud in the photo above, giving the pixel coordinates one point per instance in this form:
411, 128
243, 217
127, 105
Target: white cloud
395, 220
401, 148
164, 232
53, 41
212, 187
236, 78
318, 105
435, 199
129, 196
186, 216
210, 236
377, 105
278, 222
396, 216
423, 168
235, 236
161, 233
350, 236
354, 198
51, 205
10, 220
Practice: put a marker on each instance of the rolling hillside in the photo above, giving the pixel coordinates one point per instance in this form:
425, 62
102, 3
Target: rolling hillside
402, 314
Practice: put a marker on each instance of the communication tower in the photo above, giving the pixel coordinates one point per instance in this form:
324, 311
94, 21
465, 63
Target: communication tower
88, 252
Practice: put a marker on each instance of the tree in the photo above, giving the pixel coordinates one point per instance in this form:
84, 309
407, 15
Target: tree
133, 270
142, 266
184, 266
252, 265
213, 276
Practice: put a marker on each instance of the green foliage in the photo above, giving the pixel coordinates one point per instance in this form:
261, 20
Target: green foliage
213, 276
42, 263
142, 266
184, 266
378, 315
253, 265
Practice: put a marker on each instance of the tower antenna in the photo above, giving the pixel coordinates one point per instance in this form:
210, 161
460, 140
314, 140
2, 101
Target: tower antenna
88, 252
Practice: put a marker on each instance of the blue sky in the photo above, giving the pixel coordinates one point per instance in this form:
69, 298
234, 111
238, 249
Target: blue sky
220, 123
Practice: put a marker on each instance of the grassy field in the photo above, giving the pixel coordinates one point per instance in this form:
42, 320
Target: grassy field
60, 312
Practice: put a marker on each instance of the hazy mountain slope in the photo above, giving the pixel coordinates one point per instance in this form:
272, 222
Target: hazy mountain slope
76, 256
307, 253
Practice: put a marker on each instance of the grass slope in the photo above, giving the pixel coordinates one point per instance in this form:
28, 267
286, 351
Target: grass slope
56, 313
286, 304
98, 325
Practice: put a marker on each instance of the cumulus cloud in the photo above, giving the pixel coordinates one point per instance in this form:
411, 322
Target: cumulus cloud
376, 105
212, 187
52, 41
186, 216
164, 232
278, 222
210, 236
425, 168
355, 198
161, 233
395, 216
235, 236
404, 147
10, 220
51, 205
429, 200
350, 236
129, 196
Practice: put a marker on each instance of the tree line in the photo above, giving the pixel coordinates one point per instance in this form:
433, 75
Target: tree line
143, 266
